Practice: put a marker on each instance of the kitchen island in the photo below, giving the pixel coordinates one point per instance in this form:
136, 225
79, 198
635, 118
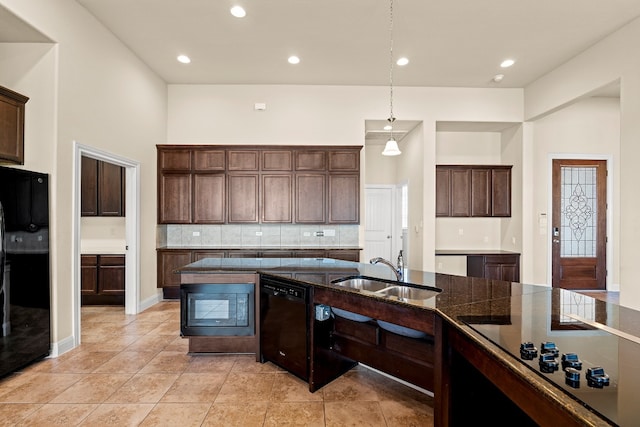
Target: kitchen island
474, 328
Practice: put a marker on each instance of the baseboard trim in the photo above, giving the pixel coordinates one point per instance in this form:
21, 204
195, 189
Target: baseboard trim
61, 347
150, 302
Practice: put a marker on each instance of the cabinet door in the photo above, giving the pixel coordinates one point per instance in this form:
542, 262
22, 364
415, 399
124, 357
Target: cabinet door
311, 160
460, 192
344, 161
89, 274
501, 192
443, 192
174, 199
168, 261
209, 198
209, 160
310, 198
89, 187
111, 275
175, 160
110, 185
277, 160
277, 194
243, 160
12, 105
243, 198
480, 192
344, 199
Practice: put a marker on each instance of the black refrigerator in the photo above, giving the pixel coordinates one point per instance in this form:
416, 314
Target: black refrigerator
25, 330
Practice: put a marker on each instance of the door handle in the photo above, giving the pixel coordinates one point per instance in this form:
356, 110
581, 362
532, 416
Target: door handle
388, 237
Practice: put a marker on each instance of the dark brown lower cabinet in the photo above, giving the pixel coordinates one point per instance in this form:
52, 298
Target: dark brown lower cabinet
102, 279
494, 267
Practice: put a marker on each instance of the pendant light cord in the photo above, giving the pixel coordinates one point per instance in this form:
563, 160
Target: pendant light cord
391, 118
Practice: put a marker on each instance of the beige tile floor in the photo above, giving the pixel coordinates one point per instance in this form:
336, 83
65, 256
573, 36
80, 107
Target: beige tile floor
134, 370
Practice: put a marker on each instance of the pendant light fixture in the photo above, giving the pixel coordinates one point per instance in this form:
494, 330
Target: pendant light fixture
391, 147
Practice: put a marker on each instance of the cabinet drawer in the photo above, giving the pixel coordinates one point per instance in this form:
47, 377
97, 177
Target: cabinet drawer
501, 259
117, 260
89, 260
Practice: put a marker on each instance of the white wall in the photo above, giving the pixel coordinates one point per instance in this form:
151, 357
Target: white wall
468, 148
613, 58
335, 115
90, 88
590, 127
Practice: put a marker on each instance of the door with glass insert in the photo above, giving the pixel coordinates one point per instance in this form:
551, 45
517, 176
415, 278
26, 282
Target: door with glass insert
578, 231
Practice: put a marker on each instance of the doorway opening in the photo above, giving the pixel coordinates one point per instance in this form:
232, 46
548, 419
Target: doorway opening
132, 230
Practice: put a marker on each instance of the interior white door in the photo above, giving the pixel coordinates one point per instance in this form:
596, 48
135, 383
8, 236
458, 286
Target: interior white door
378, 226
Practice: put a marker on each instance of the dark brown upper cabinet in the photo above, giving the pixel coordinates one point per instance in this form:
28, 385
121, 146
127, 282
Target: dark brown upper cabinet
102, 188
473, 191
258, 184
12, 105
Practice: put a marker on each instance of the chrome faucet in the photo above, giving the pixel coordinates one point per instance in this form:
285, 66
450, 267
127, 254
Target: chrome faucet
396, 269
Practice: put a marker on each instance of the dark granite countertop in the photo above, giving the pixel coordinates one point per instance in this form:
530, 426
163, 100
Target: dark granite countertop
260, 248
499, 316
462, 252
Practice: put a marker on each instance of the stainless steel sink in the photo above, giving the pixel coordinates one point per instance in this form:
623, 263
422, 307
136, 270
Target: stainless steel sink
404, 293
391, 289
364, 283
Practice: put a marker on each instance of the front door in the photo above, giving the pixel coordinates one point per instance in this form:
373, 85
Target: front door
579, 224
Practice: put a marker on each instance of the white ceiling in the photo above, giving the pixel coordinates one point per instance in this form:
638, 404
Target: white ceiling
449, 42
457, 43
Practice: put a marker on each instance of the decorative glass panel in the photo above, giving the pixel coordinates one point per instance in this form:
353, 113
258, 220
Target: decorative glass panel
575, 307
578, 212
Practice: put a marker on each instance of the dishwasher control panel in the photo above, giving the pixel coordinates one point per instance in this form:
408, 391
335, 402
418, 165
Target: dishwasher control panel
287, 290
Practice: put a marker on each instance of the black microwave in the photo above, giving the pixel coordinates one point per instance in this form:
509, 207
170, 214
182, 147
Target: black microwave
209, 309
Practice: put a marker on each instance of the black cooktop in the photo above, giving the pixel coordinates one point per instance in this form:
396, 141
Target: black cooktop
601, 334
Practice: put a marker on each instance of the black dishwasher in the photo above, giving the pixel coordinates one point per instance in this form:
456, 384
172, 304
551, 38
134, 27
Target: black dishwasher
284, 325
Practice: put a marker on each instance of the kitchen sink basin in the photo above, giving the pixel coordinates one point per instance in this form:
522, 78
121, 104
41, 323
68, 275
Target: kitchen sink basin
364, 283
408, 293
391, 289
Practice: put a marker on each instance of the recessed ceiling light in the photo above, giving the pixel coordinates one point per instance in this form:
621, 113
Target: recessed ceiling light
497, 78
507, 63
402, 61
184, 59
293, 60
238, 12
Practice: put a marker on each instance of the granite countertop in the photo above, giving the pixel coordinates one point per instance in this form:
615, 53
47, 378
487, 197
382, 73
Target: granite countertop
444, 252
261, 248
499, 316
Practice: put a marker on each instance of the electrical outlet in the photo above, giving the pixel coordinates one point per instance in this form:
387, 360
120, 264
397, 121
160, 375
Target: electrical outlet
196, 234
460, 231
258, 233
513, 240
319, 233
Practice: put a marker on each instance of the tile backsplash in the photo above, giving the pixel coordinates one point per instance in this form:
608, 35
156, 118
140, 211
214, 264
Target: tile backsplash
258, 235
